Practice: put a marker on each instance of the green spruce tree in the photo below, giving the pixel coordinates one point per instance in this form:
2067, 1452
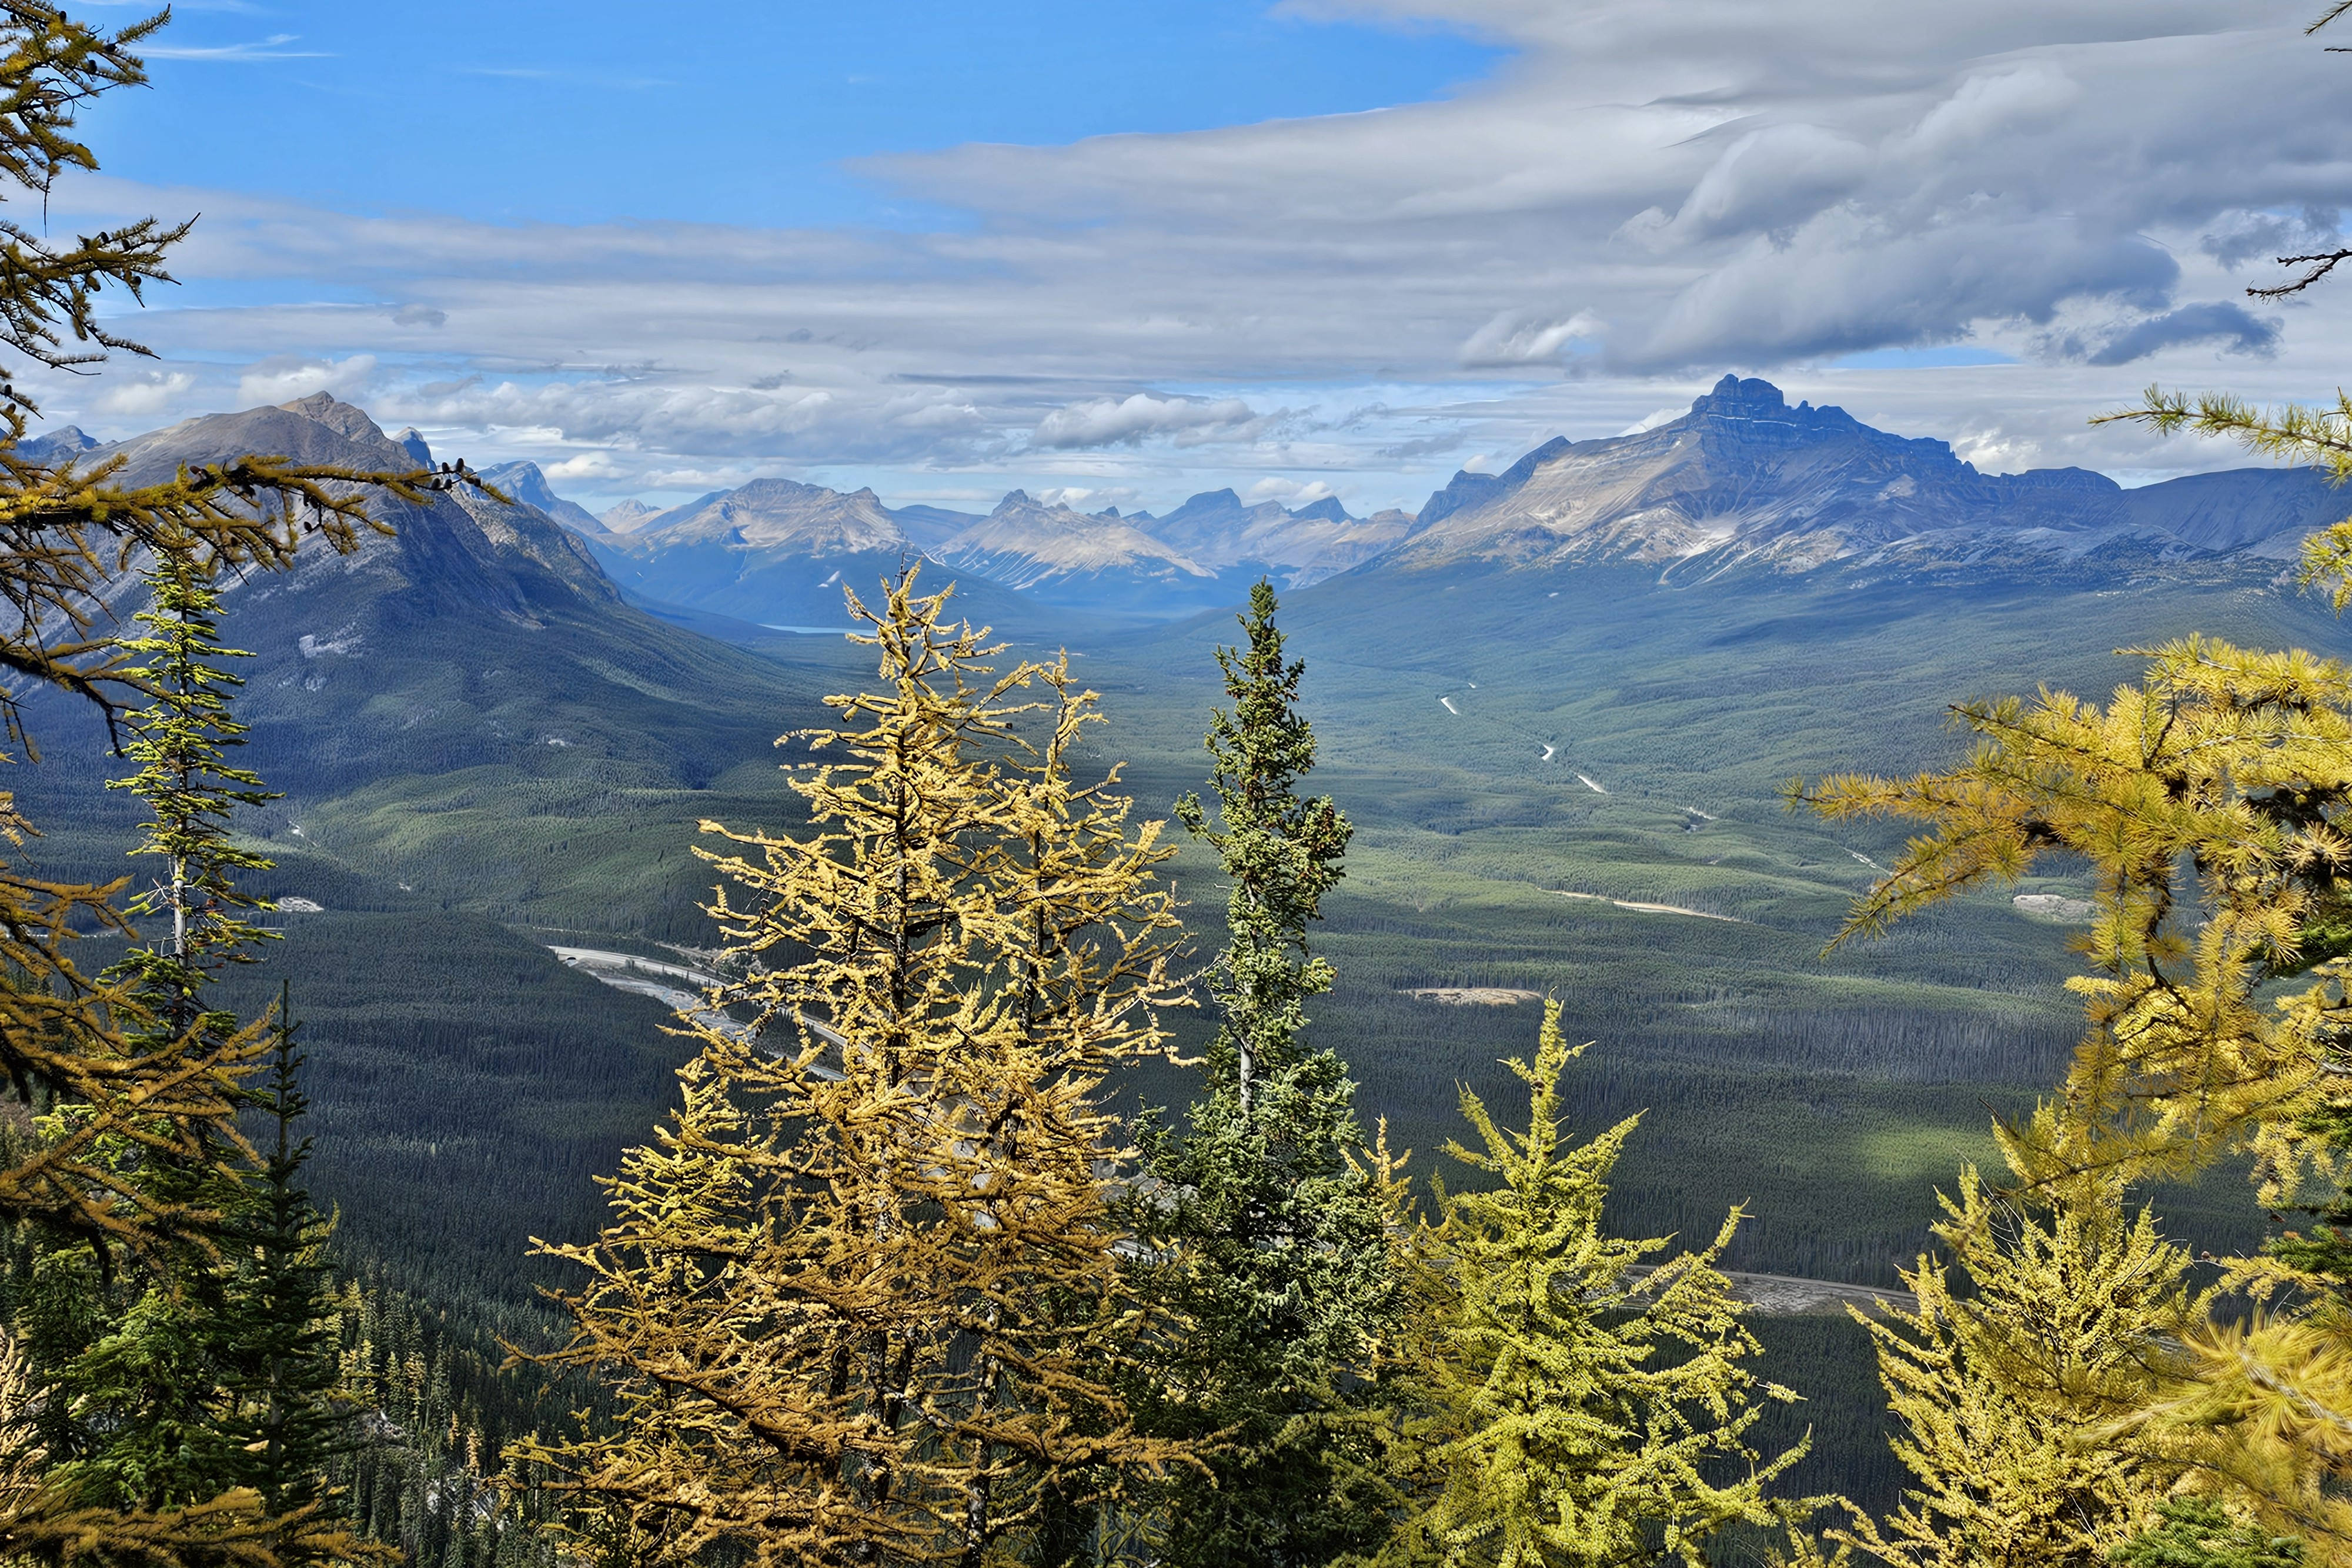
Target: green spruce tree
140, 1414
1268, 1236
280, 1337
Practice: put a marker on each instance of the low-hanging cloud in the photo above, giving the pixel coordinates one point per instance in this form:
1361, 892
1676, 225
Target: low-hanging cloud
1126, 422
285, 377
1526, 338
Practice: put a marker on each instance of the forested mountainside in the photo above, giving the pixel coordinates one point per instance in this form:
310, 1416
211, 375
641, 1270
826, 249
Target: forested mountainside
477, 665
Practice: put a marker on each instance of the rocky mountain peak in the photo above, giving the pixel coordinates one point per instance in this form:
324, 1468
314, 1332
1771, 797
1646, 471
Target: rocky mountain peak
1732, 394
412, 441
528, 484
1746, 476
324, 408
771, 514
1329, 510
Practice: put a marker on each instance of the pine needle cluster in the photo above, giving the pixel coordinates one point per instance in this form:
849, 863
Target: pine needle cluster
2009, 1393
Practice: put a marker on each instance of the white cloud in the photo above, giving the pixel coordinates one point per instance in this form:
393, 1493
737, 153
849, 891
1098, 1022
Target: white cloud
1640, 199
1291, 492
269, 48
1088, 497
582, 465
283, 378
1114, 421
142, 394
1522, 337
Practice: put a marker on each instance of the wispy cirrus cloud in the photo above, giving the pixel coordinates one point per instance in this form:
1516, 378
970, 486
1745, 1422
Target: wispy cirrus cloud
570, 77
270, 48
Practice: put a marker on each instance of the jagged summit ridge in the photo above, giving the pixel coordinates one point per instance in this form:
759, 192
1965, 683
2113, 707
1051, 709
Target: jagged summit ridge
1745, 476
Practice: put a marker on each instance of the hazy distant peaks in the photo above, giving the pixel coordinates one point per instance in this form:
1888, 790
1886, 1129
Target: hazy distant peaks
780, 514
412, 441
1027, 544
628, 517
528, 486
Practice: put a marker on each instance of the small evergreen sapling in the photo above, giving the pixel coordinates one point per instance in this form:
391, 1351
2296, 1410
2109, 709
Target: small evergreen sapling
281, 1336
1564, 1404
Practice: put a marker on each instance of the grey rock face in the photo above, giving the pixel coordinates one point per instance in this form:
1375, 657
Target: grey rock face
461, 550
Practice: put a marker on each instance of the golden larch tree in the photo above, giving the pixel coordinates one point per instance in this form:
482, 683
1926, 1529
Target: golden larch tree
1565, 1403
2018, 1397
858, 1297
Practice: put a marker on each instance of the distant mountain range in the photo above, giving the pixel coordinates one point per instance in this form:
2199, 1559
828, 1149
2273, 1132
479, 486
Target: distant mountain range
777, 551
1743, 480
1582, 676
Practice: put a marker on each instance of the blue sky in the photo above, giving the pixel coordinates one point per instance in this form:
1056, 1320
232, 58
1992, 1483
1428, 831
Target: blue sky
1123, 251
725, 110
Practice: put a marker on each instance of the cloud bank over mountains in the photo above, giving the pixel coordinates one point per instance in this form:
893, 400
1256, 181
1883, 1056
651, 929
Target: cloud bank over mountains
1641, 198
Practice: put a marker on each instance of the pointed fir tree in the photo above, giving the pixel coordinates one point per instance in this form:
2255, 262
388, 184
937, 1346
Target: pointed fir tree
1266, 1234
183, 741
216, 1377
1567, 1403
855, 1299
2019, 1398
279, 1330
